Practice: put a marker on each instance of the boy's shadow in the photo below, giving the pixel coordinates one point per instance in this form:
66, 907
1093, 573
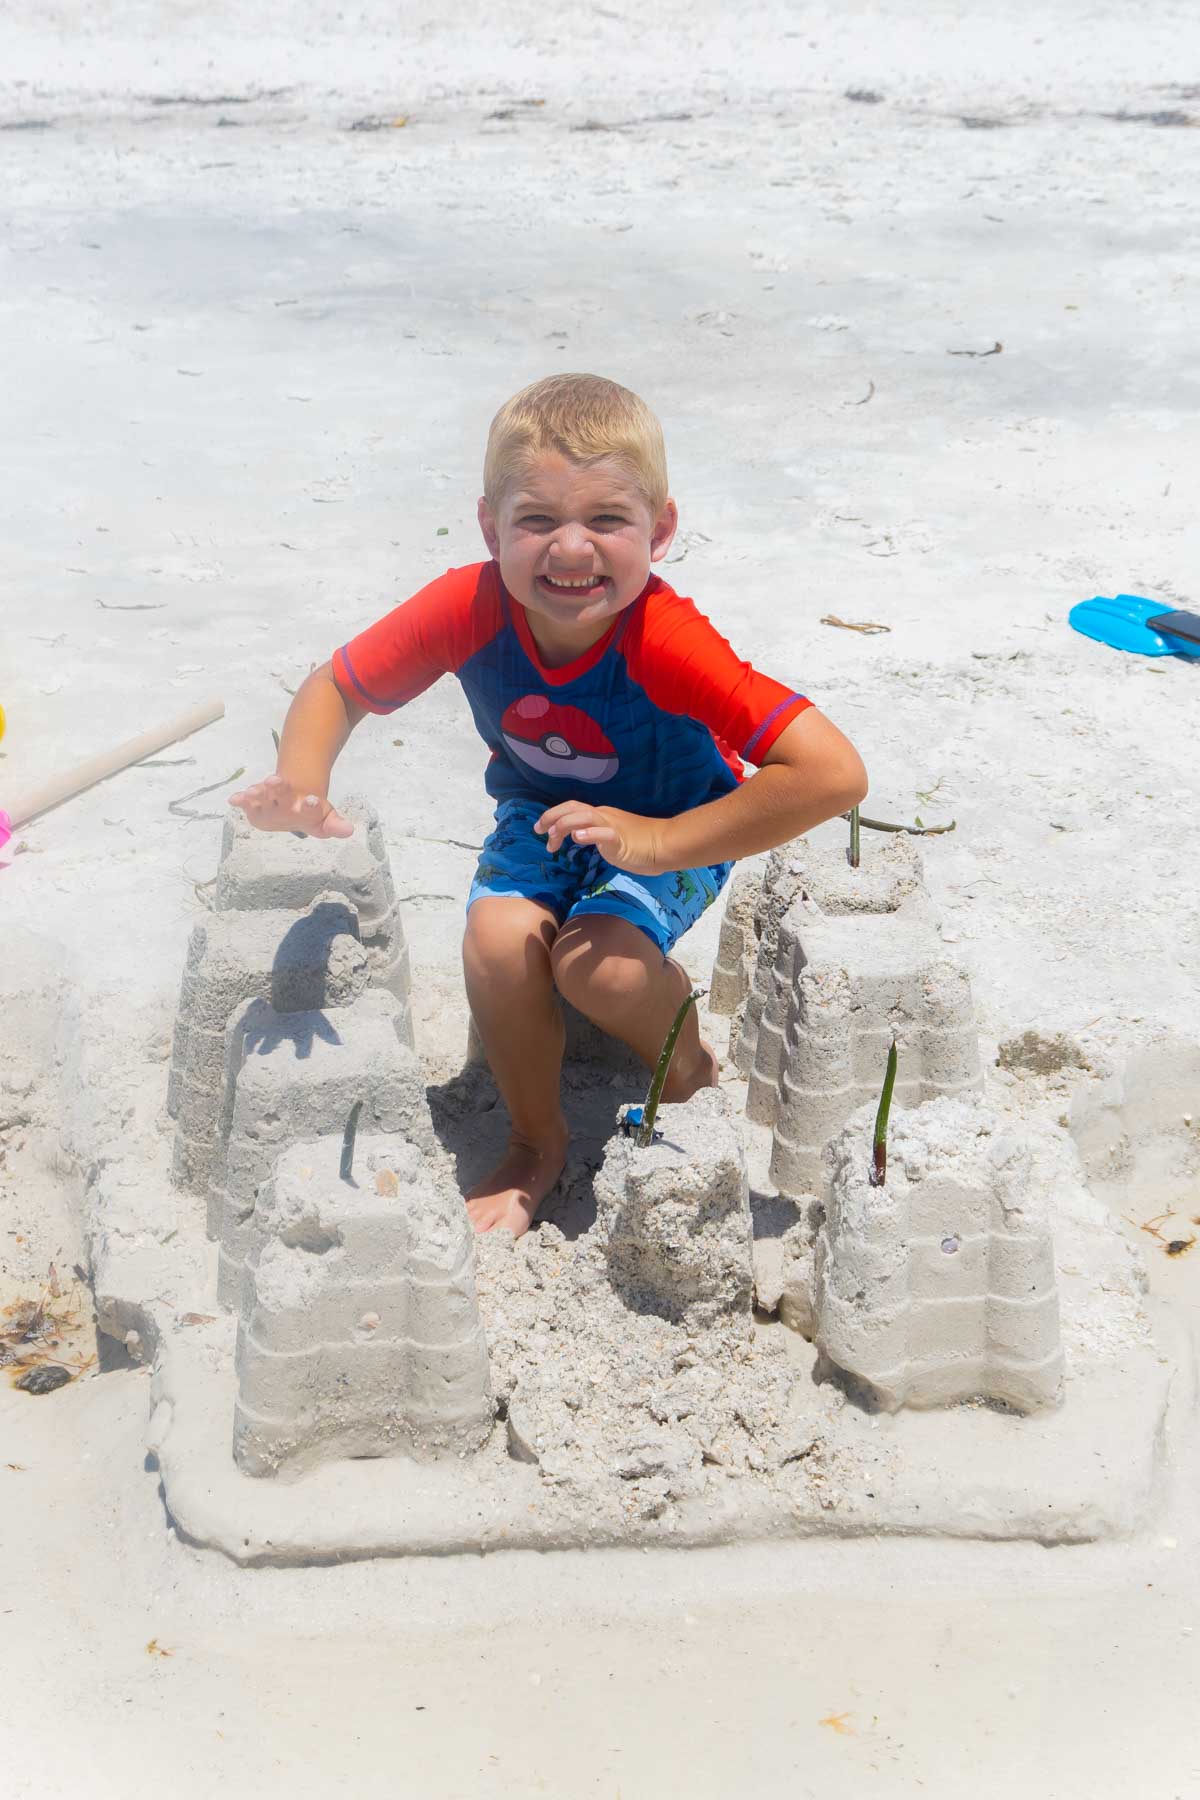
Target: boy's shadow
599, 1077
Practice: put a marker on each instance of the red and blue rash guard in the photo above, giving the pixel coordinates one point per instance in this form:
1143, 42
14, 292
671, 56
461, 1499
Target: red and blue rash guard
655, 717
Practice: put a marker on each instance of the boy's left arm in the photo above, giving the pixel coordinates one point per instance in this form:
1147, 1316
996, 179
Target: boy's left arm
811, 773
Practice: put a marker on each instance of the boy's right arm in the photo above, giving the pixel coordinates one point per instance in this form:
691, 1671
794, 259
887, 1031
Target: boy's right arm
296, 797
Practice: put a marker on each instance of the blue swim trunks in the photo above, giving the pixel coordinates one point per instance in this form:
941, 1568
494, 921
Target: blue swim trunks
578, 880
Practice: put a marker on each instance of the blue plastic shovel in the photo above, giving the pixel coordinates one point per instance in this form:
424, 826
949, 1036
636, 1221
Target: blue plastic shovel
1128, 622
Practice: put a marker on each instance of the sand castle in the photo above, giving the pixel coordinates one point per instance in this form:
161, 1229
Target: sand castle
292, 1078
300, 930
833, 962
923, 1291
294, 1026
938, 1285
359, 1330
347, 1370
675, 1217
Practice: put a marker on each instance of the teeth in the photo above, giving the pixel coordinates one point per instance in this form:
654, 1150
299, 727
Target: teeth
557, 581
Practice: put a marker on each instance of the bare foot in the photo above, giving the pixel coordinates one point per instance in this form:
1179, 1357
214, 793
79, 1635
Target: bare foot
684, 1081
516, 1187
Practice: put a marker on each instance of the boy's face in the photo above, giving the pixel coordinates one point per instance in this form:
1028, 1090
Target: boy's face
575, 543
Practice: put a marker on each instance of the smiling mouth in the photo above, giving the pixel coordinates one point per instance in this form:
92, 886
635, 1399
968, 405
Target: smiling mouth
581, 589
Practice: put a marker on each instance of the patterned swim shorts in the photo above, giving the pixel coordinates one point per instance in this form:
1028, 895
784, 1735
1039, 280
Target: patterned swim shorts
578, 881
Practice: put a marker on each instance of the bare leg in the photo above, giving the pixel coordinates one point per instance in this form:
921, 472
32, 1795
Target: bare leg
612, 972
510, 988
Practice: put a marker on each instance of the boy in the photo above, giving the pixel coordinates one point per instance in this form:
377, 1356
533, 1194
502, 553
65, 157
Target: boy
616, 717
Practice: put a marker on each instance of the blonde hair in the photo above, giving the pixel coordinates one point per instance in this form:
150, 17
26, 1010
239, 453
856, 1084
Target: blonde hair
584, 418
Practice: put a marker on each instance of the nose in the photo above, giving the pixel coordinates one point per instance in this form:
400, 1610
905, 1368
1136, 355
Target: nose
571, 542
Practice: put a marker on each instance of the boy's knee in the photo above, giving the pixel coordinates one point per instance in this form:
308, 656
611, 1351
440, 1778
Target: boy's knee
508, 938
601, 958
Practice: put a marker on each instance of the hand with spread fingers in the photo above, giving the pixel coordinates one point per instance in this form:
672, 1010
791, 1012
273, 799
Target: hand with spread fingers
275, 805
626, 840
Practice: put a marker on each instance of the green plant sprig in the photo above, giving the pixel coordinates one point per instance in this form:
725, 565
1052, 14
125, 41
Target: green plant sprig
645, 1135
879, 1143
855, 838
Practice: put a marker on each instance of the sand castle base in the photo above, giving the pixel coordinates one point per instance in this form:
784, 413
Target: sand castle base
1093, 1469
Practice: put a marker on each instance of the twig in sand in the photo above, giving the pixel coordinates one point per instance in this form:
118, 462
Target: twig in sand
912, 830
868, 627
869, 395
995, 350
458, 843
181, 809
346, 1164
855, 851
139, 606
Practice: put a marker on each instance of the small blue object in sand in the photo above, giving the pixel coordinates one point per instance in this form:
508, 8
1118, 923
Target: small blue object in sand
1129, 622
630, 1122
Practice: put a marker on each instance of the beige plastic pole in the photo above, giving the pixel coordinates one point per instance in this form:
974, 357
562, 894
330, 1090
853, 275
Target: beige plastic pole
109, 762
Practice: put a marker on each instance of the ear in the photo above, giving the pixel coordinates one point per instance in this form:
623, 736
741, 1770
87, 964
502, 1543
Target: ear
488, 526
663, 531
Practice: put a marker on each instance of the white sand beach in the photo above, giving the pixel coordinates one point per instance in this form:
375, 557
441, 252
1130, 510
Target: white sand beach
914, 293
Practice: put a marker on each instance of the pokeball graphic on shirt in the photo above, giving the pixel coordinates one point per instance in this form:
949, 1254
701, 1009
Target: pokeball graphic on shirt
557, 740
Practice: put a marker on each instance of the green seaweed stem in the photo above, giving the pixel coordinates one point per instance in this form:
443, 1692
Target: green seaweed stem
645, 1136
879, 1143
855, 838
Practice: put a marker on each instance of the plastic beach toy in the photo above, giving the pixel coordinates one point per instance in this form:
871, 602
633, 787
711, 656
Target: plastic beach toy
1128, 622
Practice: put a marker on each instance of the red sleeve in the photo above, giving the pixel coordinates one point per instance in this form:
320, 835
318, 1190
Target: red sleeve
685, 666
432, 634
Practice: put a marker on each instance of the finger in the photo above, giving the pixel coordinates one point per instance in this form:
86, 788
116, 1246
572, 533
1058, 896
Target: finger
605, 836
552, 813
249, 797
573, 821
